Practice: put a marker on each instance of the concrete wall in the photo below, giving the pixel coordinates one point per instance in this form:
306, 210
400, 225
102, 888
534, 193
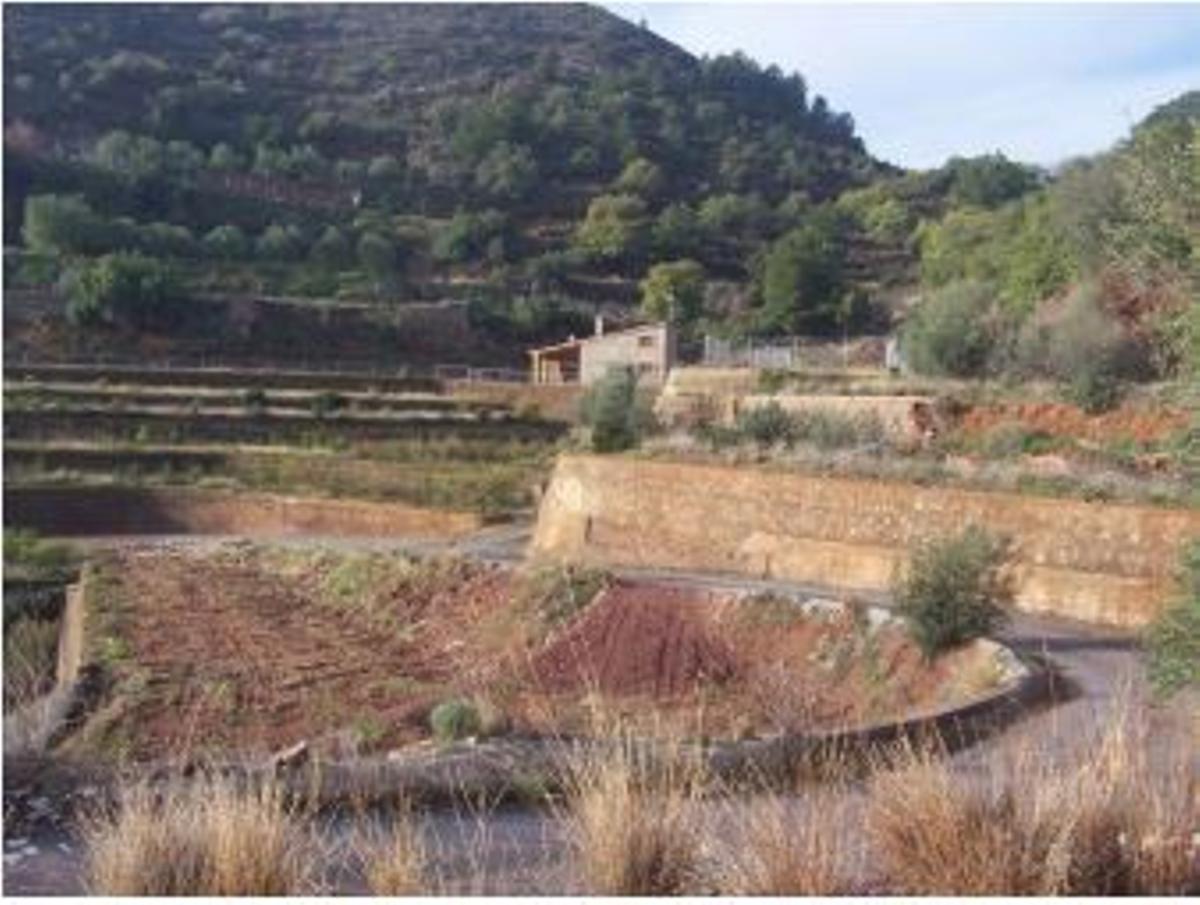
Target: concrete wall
1100, 562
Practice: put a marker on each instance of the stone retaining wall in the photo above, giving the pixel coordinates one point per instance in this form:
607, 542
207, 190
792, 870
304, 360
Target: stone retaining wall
1109, 563
84, 511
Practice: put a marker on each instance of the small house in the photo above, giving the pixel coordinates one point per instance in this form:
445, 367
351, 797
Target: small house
648, 350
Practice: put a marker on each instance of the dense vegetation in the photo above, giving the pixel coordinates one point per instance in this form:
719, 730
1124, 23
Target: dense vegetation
1089, 279
396, 152
541, 160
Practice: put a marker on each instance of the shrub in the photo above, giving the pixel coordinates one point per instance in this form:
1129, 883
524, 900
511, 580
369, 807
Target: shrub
954, 590
556, 593
1085, 348
949, 333
611, 410
1173, 640
1013, 438
454, 720
833, 430
767, 425
774, 852
35, 558
1094, 389
254, 400
772, 380
327, 402
125, 288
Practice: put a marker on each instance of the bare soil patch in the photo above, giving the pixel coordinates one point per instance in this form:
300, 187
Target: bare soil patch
1145, 425
250, 650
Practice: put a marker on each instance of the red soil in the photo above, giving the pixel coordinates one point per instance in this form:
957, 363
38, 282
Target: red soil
233, 657
250, 650
636, 639
1061, 420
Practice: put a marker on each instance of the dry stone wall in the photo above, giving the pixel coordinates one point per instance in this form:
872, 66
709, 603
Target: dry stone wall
1107, 563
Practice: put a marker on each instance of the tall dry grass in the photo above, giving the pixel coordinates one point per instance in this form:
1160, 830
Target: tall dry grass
198, 837
631, 820
1104, 821
394, 859
777, 847
30, 659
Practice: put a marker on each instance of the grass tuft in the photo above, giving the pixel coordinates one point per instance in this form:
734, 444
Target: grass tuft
202, 837
1104, 822
394, 860
631, 824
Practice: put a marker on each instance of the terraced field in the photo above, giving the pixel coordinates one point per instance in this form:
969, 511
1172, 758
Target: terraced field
345, 435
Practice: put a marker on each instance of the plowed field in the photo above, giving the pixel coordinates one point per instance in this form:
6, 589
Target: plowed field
249, 649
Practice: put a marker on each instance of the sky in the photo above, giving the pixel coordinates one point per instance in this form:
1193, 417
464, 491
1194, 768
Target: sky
1041, 83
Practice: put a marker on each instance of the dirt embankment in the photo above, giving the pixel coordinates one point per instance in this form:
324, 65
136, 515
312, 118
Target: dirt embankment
1145, 425
97, 511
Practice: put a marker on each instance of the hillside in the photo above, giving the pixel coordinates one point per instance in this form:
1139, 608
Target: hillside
548, 153
534, 163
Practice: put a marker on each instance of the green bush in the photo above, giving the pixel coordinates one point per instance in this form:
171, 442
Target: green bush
254, 400
31, 556
1012, 438
1094, 389
454, 720
611, 410
1085, 348
1172, 642
772, 380
767, 425
954, 590
125, 288
834, 430
949, 333
327, 402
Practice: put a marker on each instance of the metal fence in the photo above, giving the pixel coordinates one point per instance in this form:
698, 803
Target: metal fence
727, 353
797, 352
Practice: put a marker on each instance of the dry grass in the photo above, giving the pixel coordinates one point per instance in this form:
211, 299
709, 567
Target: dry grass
201, 837
394, 859
632, 823
30, 659
774, 851
1105, 822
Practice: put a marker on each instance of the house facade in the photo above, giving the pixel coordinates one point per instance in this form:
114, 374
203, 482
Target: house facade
648, 350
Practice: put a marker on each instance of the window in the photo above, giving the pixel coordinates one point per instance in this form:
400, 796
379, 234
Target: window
645, 341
